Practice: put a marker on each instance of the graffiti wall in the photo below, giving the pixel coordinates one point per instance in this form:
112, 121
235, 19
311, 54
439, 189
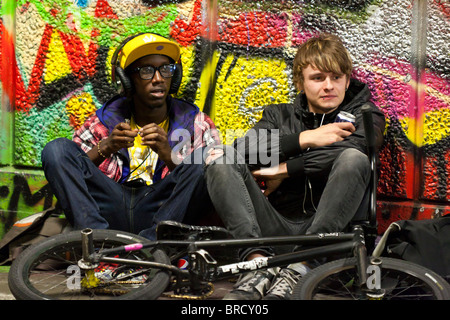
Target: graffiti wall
237, 58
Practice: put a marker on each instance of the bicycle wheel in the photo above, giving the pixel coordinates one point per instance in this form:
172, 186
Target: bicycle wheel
49, 270
399, 280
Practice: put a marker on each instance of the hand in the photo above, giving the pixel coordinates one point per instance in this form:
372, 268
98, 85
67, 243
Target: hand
156, 139
213, 154
121, 137
326, 135
272, 177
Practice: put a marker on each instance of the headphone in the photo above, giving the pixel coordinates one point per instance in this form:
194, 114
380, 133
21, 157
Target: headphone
122, 81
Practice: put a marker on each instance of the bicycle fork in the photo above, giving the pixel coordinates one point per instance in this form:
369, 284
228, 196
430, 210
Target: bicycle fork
86, 263
87, 249
360, 252
371, 285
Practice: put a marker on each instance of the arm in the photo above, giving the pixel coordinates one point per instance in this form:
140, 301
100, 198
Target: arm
325, 135
88, 136
320, 158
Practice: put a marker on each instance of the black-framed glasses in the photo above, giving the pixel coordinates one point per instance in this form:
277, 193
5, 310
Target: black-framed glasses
148, 72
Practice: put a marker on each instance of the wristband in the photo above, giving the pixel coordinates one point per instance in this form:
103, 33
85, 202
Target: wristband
98, 150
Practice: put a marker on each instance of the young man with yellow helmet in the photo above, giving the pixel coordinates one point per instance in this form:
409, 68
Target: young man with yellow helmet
125, 167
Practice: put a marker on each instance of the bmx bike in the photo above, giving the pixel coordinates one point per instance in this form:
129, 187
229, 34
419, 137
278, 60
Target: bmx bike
66, 266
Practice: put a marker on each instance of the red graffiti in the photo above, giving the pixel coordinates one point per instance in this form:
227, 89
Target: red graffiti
7, 59
104, 10
82, 65
26, 97
185, 33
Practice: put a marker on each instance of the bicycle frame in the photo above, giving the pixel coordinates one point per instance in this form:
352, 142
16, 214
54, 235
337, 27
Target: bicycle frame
203, 267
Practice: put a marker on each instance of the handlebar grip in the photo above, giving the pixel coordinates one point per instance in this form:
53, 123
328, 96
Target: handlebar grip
366, 111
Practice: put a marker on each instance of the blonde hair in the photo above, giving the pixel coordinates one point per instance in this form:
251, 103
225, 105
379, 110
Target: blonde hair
326, 53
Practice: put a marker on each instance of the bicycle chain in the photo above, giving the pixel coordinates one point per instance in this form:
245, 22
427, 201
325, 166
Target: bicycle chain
116, 291
192, 297
175, 296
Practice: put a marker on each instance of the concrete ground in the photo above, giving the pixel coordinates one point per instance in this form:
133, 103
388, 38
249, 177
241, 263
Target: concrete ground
5, 294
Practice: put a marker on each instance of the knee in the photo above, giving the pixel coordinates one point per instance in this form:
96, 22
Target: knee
216, 169
54, 151
352, 161
224, 160
223, 154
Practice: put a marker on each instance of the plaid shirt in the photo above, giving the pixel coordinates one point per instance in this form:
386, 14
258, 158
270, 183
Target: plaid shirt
182, 115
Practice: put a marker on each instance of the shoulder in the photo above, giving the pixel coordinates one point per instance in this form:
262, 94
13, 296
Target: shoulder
278, 112
91, 128
180, 105
202, 117
279, 108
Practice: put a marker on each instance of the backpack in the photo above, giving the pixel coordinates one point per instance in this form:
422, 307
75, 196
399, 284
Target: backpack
425, 242
30, 230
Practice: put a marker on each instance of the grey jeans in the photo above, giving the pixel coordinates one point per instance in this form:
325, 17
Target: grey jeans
247, 213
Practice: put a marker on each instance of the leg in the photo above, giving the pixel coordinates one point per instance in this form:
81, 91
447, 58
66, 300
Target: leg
340, 200
238, 199
342, 196
241, 205
181, 196
246, 213
88, 197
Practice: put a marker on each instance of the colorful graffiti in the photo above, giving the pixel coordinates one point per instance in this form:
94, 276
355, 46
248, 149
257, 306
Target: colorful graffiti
237, 58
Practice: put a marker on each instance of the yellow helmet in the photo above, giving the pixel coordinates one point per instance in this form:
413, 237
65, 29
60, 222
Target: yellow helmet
145, 44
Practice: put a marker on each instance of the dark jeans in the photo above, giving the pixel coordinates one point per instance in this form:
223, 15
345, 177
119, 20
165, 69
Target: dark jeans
92, 200
247, 213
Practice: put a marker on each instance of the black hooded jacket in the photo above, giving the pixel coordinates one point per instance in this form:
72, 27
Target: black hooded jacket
278, 138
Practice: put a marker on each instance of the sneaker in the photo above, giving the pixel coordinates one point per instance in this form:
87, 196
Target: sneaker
252, 286
285, 281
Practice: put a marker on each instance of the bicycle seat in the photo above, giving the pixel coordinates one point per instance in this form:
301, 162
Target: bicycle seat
172, 230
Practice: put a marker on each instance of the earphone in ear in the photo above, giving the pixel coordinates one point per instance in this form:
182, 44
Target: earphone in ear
123, 82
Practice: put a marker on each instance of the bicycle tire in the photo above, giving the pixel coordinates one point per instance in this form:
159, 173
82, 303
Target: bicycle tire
400, 280
41, 271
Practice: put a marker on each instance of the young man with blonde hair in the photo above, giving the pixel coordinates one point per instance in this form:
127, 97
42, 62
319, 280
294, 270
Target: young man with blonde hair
321, 175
